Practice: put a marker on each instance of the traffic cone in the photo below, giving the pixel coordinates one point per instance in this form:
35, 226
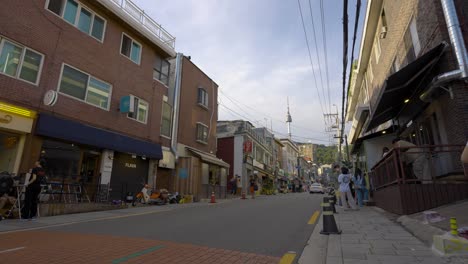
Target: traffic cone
213, 198
329, 223
243, 195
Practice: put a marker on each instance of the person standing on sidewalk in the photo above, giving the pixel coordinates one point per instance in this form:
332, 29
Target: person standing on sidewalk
345, 192
359, 186
33, 189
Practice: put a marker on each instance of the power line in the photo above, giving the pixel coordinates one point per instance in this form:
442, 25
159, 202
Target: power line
325, 51
345, 62
358, 11
317, 52
310, 56
238, 104
273, 131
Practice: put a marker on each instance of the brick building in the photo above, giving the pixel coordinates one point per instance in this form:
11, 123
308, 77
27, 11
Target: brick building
193, 98
409, 83
82, 88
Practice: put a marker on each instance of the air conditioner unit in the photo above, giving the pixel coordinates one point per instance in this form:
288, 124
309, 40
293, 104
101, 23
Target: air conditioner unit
383, 32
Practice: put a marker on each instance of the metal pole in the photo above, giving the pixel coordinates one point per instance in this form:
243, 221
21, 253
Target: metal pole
347, 148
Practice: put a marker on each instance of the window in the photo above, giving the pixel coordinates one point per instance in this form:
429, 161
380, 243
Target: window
79, 16
166, 120
161, 70
140, 112
130, 49
370, 73
202, 97
85, 87
20, 62
202, 133
411, 41
378, 49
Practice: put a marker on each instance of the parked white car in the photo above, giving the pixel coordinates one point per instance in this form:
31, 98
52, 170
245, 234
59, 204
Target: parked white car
316, 188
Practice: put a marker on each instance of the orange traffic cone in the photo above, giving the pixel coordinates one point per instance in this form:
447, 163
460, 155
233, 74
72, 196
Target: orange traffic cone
213, 198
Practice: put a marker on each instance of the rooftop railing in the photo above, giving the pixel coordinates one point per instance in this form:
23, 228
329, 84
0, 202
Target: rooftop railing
139, 15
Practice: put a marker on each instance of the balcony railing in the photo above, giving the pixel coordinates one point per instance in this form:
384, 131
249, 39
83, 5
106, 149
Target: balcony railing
410, 180
139, 15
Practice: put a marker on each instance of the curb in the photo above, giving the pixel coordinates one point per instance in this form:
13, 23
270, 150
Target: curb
422, 231
315, 250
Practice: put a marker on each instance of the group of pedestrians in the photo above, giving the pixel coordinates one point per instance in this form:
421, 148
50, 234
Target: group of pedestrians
351, 187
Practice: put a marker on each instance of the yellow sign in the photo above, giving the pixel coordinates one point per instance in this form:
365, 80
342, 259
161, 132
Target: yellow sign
17, 110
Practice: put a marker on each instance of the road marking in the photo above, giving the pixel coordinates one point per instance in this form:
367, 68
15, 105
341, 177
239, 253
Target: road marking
84, 221
11, 249
314, 218
137, 254
288, 258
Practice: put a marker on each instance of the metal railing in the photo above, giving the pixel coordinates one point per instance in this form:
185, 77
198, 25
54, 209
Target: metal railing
419, 164
139, 15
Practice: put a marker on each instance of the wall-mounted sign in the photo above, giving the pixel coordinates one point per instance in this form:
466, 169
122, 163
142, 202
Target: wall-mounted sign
248, 146
130, 165
6, 119
127, 104
50, 98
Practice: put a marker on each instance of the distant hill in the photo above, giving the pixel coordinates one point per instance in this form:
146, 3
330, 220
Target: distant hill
325, 154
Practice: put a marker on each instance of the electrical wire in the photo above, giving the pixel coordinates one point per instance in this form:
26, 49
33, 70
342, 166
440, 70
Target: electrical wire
345, 62
325, 51
310, 56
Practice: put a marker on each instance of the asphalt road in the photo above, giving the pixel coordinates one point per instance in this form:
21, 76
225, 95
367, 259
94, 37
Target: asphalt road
270, 225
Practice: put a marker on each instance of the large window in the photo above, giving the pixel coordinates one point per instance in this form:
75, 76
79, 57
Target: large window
140, 112
411, 41
20, 62
202, 133
166, 120
85, 87
161, 70
130, 49
202, 97
79, 16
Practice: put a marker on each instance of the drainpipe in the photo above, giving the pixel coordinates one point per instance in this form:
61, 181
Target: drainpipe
176, 105
459, 48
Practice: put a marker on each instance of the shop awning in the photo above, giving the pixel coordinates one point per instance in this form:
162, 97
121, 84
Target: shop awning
358, 143
51, 126
399, 89
208, 157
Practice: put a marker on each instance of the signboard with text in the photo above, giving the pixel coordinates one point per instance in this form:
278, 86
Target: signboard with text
248, 146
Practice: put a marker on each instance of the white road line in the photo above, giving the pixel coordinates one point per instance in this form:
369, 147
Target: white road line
10, 250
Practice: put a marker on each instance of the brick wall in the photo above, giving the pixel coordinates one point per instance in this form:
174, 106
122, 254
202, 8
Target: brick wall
29, 23
191, 112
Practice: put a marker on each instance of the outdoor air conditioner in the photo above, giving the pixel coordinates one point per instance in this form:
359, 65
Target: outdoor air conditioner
383, 32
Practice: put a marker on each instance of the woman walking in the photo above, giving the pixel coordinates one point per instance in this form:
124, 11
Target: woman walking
344, 179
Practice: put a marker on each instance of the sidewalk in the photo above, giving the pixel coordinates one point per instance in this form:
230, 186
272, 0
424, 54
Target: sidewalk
9, 225
369, 236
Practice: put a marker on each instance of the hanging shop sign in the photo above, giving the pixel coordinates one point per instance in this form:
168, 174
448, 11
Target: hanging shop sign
127, 104
248, 146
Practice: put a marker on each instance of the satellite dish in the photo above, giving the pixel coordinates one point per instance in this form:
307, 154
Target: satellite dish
50, 98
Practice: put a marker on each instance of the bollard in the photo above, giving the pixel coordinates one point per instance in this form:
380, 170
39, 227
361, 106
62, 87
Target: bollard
332, 199
329, 223
453, 226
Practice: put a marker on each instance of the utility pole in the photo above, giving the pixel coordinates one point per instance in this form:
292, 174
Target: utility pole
332, 122
288, 120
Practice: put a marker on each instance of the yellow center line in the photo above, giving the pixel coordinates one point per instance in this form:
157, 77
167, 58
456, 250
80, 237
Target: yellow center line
314, 218
288, 258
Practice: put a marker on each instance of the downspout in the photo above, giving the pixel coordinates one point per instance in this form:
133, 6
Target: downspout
176, 105
459, 48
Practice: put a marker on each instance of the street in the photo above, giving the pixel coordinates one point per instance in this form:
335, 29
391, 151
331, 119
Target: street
236, 231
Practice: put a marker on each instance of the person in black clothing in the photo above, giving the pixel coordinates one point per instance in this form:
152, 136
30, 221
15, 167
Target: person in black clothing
33, 188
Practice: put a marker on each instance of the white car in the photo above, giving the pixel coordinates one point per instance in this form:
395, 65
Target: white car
316, 188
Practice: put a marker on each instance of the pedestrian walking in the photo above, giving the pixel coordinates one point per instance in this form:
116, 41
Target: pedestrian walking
253, 186
234, 185
345, 192
33, 189
359, 186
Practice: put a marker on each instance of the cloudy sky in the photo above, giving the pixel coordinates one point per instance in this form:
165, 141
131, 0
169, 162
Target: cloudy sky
255, 50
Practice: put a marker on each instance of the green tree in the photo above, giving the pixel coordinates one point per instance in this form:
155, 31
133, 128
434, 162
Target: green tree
325, 154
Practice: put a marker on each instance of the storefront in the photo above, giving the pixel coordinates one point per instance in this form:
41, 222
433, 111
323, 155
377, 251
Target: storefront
105, 163
15, 125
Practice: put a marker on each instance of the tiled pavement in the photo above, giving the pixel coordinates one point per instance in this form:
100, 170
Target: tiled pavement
369, 237
56, 247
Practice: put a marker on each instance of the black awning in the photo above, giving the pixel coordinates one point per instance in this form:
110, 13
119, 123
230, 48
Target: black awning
359, 141
403, 85
51, 126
